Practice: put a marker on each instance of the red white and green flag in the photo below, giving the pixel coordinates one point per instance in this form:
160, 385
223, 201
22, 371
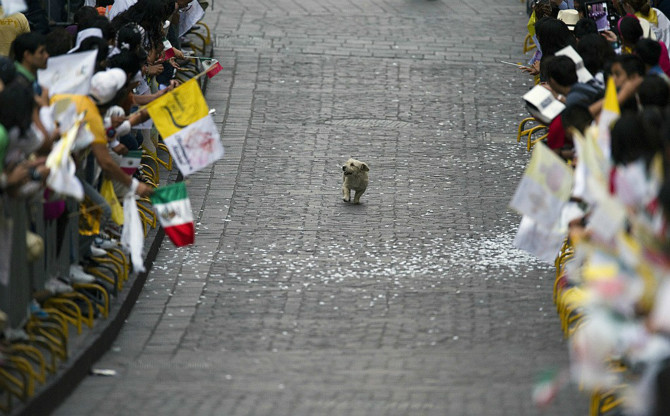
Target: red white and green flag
167, 49
131, 161
548, 386
212, 67
173, 209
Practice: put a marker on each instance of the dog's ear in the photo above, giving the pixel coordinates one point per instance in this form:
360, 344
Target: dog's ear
365, 167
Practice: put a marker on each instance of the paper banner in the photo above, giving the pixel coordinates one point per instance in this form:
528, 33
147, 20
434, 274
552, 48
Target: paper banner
68, 74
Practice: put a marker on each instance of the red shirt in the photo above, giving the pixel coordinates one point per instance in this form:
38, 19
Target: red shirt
556, 136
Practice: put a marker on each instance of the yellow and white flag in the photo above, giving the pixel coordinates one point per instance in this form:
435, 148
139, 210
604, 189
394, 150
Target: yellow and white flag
609, 114
196, 146
62, 178
178, 109
544, 187
592, 166
542, 242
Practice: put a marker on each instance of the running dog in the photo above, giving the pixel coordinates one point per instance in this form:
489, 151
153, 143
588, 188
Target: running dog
355, 178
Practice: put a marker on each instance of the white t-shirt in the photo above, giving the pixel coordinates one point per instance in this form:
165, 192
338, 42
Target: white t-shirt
662, 30
119, 7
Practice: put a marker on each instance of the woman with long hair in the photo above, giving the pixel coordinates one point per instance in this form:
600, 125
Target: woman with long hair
151, 16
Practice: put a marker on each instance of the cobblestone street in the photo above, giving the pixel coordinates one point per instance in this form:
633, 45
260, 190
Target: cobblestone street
292, 302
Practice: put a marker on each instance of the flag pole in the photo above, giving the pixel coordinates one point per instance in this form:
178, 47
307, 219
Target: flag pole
148, 105
202, 58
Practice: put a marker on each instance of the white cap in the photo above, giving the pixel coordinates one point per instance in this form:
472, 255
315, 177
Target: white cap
92, 32
106, 84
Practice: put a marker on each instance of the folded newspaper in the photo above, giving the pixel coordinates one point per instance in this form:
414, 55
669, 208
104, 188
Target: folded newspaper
542, 104
583, 74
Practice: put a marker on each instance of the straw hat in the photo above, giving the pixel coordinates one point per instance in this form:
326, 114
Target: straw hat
569, 16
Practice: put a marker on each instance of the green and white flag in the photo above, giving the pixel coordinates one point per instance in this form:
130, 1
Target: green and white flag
131, 162
173, 209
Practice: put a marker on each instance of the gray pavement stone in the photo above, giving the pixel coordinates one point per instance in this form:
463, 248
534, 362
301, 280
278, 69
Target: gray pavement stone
294, 303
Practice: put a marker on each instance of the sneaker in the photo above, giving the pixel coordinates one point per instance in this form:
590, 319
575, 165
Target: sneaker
78, 275
112, 231
56, 286
18, 334
37, 311
97, 251
105, 244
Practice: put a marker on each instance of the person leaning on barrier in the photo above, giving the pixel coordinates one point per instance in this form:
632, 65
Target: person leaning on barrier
30, 54
562, 78
105, 87
21, 170
552, 35
11, 27
575, 118
597, 55
130, 62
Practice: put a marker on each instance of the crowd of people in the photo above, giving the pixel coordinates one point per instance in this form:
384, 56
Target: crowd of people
613, 278
69, 145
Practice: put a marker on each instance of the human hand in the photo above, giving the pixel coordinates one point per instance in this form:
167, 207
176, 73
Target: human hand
55, 135
173, 84
155, 69
628, 88
143, 115
178, 54
37, 167
547, 86
43, 171
17, 175
173, 62
117, 120
144, 190
120, 149
42, 100
609, 36
532, 70
169, 87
